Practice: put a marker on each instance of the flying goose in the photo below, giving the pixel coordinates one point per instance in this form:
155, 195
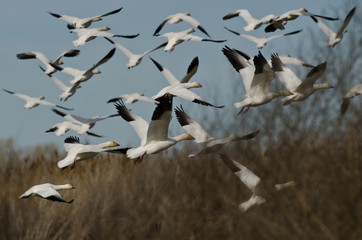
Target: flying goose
48, 191
88, 34
253, 23
75, 22
206, 143
134, 59
32, 102
256, 79
180, 88
132, 98
351, 93
301, 90
261, 42
279, 22
68, 91
84, 75
175, 38
85, 124
256, 185
61, 128
335, 38
154, 136
78, 152
179, 17
48, 68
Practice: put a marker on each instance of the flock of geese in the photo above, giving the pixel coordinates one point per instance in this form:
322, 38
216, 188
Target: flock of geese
256, 72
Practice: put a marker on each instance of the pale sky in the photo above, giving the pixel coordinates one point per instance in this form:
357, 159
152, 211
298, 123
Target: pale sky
27, 26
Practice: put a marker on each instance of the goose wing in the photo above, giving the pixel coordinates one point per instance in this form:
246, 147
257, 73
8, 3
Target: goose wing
166, 73
191, 127
240, 65
284, 74
192, 69
312, 76
138, 123
161, 117
346, 22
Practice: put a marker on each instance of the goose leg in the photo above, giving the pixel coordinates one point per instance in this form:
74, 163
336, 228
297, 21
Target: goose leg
139, 160
72, 166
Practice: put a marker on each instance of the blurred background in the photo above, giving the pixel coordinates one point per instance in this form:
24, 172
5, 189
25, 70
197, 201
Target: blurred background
170, 196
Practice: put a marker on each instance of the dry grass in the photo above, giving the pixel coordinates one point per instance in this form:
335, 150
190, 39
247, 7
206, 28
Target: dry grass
181, 198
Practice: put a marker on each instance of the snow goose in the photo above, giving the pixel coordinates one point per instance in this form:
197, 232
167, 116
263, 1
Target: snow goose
78, 152
301, 90
179, 17
253, 23
84, 75
132, 98
261, 42
61, 128
154, 136
351, 93
88, 34
84, 123
48, 191
175, 38
32, 102
335, 38
58, 61
75, 22
68, 91
180, 88
258, 187
279, 22
256, 80
133, 59
206, 143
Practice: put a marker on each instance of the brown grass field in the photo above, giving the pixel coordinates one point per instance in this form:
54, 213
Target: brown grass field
171, 196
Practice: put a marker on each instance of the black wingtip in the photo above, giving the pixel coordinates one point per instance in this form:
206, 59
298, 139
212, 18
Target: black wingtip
8, 91
59, 112
71, 139
123, 111
109, 40
159, 66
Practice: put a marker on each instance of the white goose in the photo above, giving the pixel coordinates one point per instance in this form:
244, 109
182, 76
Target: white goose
261, 42
61, 128
253, 182
335, 38
180, 88
205, 143
179, 17
301, 90
79, 152
175, 38
279, 22
32, 102
85, 124
256, 80
88, 34
68, 91
48, 191
75, 22
132, 98
48, 68
253, 23
84, 75
133, 59
154, 136
351, 93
